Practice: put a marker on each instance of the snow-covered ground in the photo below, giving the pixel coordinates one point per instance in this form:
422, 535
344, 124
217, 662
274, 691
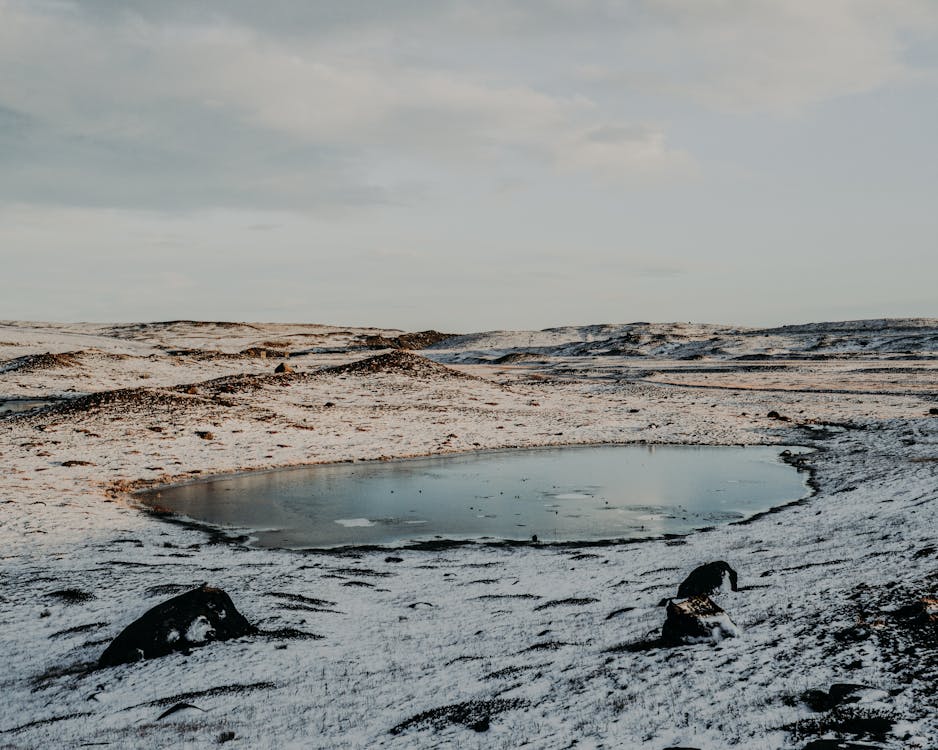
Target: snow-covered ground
540, 641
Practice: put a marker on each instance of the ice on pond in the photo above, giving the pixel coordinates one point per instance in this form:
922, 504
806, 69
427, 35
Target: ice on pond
558, 494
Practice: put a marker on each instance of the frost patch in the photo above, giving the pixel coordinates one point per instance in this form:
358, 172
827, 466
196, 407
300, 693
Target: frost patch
354, 522
199, 630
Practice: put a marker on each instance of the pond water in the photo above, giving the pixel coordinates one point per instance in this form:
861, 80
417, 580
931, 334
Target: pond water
558, 494
18, 405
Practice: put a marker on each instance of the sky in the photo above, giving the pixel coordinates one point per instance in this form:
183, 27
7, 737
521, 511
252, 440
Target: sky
465, 166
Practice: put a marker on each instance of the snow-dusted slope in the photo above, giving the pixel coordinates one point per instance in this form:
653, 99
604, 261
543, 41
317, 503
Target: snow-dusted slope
881, 338
536, 645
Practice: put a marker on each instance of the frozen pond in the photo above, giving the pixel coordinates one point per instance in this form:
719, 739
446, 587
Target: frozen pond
558, 494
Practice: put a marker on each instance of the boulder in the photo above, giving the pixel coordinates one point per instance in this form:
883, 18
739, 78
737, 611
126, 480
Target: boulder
839, 693
186, 621
708, 579
283, 368
696, 620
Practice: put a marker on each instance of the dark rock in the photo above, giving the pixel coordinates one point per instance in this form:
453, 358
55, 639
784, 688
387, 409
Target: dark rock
933, 411
205, 434
922, 612
283, 368
226, 736
706, 580
176, 709
775, 415
186, 621
839, 692
696, 620
393, 559
482, 725
838, 745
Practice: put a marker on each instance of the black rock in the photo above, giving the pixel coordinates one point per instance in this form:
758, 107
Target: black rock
186, 621
707, 579
283, 369
839, 692
696, 620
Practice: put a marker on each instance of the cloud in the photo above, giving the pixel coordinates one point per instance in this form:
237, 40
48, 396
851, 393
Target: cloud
331, 106
769, 56
190, 109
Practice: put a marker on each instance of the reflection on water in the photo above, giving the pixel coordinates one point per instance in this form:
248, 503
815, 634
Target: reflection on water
583, 493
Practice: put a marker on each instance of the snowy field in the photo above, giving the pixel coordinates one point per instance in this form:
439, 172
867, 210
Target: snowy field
470, 646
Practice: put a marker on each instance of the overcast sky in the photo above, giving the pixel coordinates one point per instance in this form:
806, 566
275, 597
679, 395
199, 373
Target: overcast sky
469, 165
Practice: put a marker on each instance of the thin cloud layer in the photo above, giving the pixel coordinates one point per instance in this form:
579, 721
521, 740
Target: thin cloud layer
680, 136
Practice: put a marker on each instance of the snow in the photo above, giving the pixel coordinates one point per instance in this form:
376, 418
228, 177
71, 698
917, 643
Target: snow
199, 630
470, 623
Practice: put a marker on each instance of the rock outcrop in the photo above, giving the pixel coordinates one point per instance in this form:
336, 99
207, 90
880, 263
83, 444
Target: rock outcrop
696, 620
708, 579
186, 621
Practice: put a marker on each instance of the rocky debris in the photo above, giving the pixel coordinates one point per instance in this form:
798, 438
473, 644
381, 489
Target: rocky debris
186, 621
708, 579
419, 340
696, 620
283, 369
400, 362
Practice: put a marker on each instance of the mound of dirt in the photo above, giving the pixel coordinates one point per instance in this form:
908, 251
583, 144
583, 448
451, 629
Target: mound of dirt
397, 362
419, 340
39, 362
127, 400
